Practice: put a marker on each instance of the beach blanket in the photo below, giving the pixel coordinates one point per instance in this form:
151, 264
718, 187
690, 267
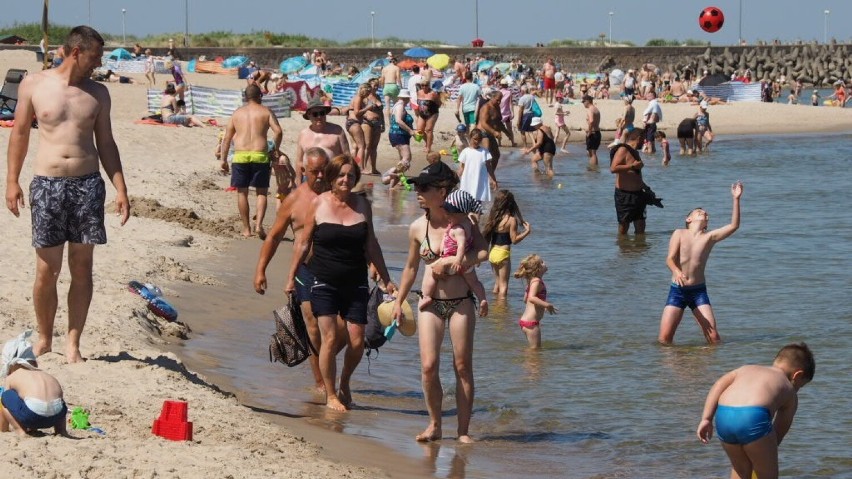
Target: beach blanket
152, 122
214, 67
220, 103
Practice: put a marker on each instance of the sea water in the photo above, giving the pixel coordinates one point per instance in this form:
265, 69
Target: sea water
602, 399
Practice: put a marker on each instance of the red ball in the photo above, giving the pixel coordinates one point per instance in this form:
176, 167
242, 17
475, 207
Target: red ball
711, 19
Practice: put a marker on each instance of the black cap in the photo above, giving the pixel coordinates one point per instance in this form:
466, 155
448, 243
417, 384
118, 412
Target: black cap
434, 173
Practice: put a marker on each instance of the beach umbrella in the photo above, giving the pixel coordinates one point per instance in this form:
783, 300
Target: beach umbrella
379, 63
438, 61
418, 52
120, 54
484, 65
503, 67
293, 64
408, 63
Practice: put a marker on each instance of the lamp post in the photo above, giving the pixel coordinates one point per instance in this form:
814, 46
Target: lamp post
741, 22
476, 16
825, 30
373, 29
610, 27
186, 24
123, 29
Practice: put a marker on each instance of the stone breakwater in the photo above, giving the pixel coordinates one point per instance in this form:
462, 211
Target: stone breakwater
811, 63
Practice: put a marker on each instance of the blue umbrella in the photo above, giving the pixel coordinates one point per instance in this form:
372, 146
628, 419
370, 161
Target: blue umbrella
484, 65
418, 52
379, 63
120, 54
293, 64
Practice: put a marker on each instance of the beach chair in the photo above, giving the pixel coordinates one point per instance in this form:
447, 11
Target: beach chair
9, 92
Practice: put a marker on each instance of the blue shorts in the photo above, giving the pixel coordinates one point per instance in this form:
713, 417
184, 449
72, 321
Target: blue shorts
67, 209
347, 300
25, 417
469, 117
304, 281
256, 175
742, 424
692, 296
397, 139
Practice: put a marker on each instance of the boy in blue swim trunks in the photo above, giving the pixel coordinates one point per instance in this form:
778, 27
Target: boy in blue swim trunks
745, 401
32, 399
689, 249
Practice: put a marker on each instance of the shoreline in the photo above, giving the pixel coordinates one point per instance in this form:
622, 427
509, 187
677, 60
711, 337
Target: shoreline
130, 371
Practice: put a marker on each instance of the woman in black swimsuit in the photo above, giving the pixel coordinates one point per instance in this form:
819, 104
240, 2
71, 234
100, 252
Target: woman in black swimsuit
544, 146
373, 126
452, 307
339, 233
354, 117
429, 103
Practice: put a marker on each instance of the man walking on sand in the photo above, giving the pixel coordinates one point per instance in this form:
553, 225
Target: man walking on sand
248, 128
391, 84
67, 193
320, 133
293, 212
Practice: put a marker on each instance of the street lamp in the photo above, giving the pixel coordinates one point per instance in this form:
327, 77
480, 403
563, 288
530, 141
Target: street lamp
186, 25
476, 15
741, 22
373, 29
610, 27
825, 30
123, 29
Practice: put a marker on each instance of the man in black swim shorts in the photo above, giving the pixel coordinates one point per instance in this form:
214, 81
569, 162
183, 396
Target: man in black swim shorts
627, 167
75, 139
593, 130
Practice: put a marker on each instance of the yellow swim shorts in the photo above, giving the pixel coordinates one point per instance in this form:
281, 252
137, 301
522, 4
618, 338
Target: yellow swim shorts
498, 254
251, 157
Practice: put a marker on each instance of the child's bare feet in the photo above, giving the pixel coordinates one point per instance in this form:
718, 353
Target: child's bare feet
424, 303
483, 308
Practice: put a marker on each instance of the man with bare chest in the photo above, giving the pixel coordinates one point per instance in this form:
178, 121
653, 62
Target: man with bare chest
320, 133
67, 193
293, 212
490, 121
627, 167
391, 84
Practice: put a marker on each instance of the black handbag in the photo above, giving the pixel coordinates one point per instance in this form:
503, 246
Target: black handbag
290, 343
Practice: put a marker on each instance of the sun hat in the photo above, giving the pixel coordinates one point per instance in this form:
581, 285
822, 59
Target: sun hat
315, 104
461, 201
461, 128
18, 351
403, 93
703, 104
504, 81
536, 121
407, 324
434, 173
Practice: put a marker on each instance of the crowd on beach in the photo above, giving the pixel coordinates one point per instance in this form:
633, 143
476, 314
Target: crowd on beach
468, 219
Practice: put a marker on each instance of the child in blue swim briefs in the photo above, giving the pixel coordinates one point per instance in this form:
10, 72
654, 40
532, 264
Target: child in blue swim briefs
32, 399
744, 403
689, 249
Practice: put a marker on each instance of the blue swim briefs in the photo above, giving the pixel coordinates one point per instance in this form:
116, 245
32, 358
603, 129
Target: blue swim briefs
683, 296
25, 416
742, 424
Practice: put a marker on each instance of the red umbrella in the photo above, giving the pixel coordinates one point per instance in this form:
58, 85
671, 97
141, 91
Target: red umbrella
409, 63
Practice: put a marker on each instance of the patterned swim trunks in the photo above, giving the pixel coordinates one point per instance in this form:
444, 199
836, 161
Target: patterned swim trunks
67, 209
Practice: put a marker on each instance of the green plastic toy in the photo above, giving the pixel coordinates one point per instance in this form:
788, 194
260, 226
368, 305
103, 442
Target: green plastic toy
404, 180
455, 153
79, 418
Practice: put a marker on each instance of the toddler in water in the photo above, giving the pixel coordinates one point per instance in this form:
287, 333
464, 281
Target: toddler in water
458, 239
532, 269
664, 145
753, 407
559, 116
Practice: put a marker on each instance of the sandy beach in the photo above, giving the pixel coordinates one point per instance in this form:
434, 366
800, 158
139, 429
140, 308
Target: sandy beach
182, 220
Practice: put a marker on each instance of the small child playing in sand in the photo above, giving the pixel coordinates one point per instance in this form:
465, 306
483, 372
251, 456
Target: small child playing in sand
393, 176
664, 145
32, 398
458, 239
559, 117
753, 407
532, 269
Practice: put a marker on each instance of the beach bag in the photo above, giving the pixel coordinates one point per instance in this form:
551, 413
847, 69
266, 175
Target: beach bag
290, 343
535, 109
374, 333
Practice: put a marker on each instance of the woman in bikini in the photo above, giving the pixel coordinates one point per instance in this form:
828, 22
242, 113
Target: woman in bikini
429, 103
452, 306
372, 126
354, 117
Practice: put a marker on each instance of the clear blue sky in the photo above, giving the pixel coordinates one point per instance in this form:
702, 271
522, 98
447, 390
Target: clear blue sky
453, 21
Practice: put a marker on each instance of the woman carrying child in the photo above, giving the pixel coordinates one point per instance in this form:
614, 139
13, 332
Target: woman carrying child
532, 269
501, 232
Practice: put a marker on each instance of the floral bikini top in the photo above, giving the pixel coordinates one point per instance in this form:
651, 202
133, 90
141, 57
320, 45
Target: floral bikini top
426, 252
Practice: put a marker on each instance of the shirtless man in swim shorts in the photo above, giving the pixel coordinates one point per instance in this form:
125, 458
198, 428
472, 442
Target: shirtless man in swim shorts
248, 128
490, 121
67, 191
391, 84
627, 167
548, 72
689, 249
293, 212
593, 130
320, 133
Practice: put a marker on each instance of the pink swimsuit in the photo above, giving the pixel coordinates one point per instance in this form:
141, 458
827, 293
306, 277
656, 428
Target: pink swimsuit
542, 295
